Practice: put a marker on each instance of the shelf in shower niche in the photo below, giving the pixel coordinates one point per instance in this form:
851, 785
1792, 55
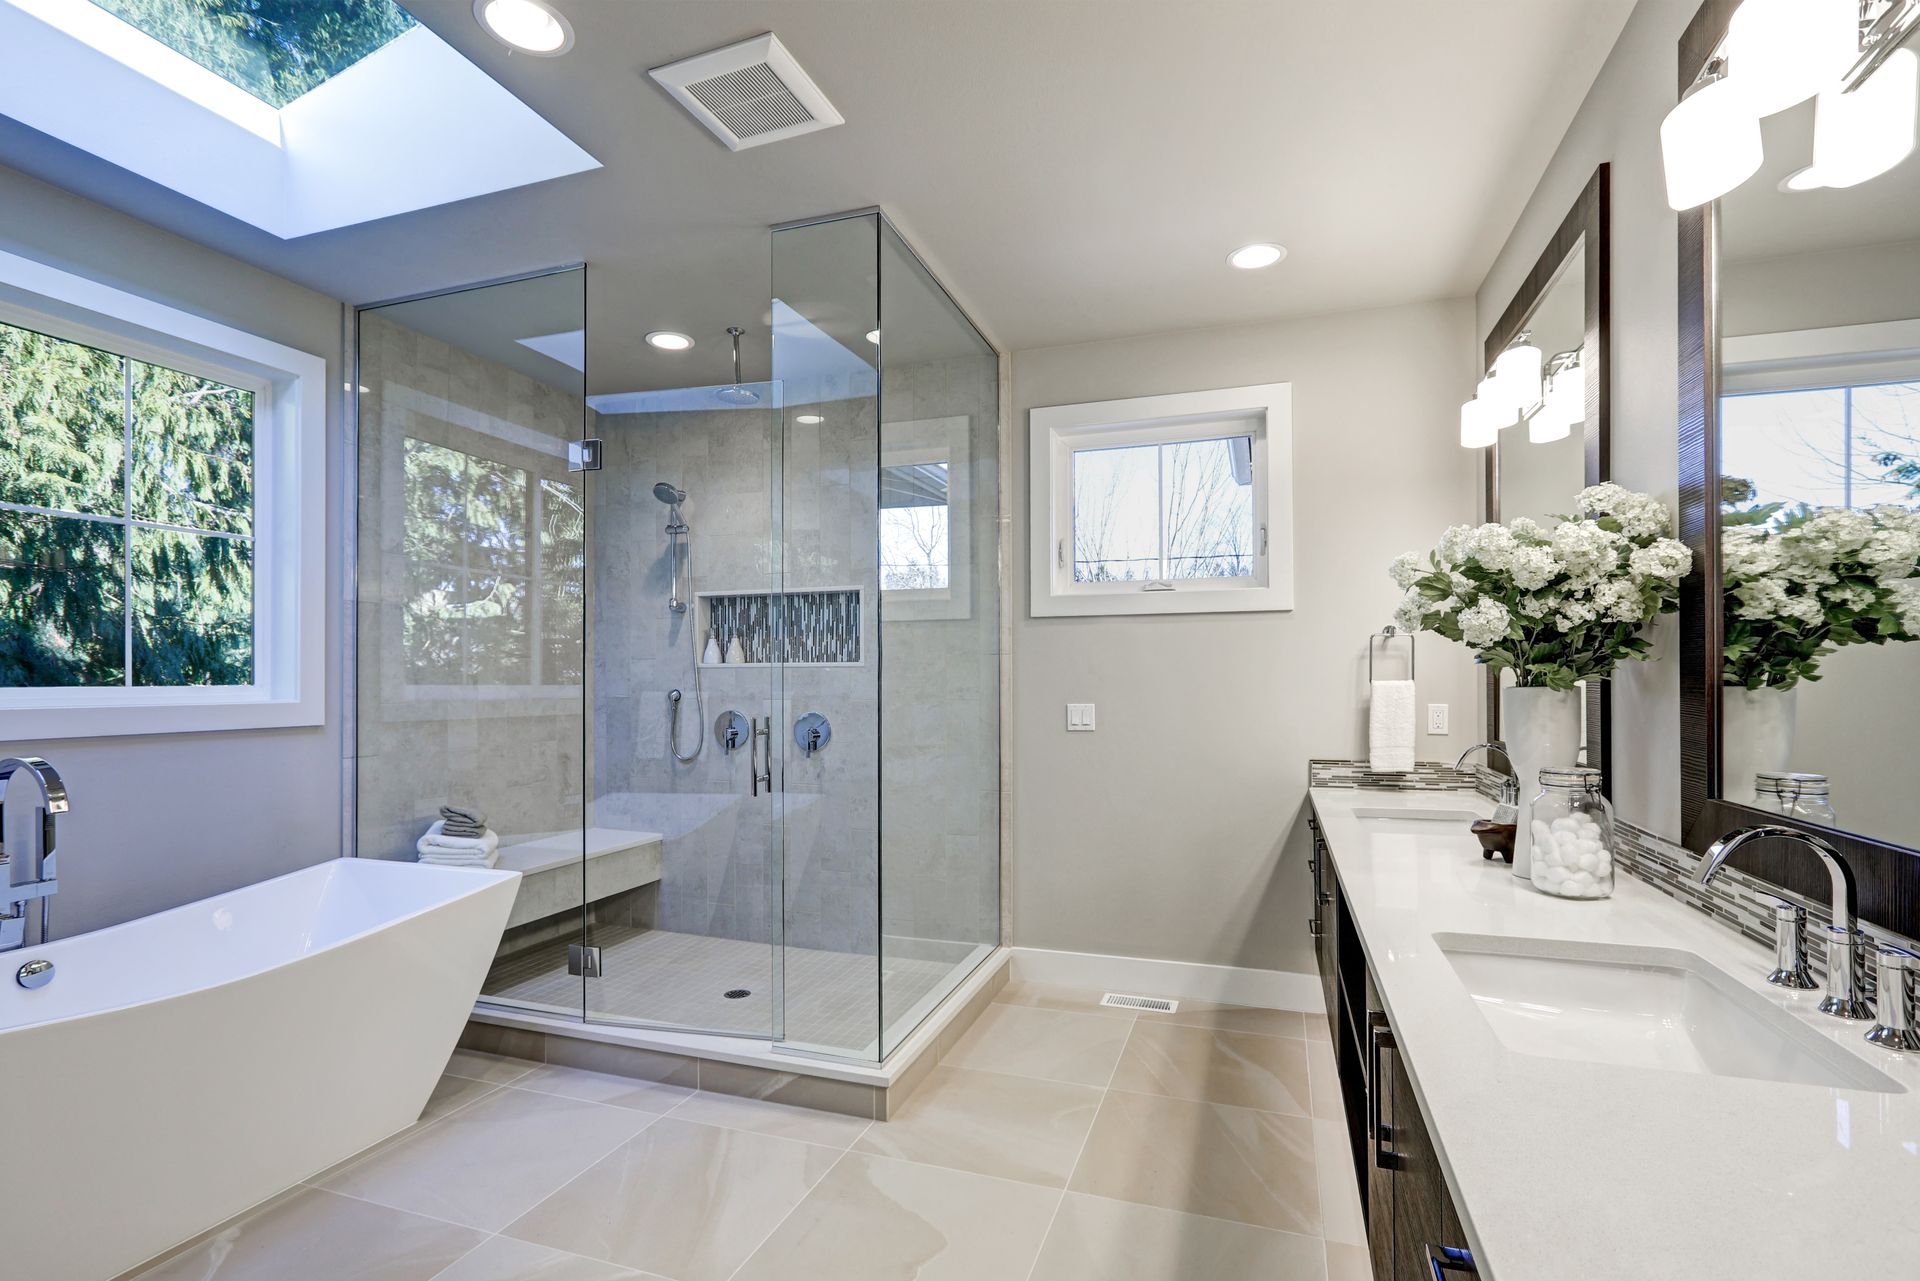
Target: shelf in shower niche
822, 626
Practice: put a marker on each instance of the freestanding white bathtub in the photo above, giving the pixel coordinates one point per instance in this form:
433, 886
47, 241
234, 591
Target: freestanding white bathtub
182, 1067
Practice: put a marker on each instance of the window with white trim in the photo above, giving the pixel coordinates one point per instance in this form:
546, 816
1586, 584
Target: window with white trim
925, 519
162, 524
1163, 504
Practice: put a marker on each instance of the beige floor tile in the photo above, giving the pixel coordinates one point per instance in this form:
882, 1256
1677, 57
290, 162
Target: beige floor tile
758, 1116
1015, 1127
1094, 1239
1348, 1262
454, 1093
1324, 1076
505, 1259
310, 1235
1339, 1186
1203, 1158
599, 1087
1077, 1048
1238, 1068
1222, 1017
492, 1161
1048, 996
493, 1068
874, 1219
682, 1200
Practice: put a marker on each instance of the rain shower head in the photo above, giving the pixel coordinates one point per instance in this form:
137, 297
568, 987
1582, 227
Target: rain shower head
671, 495
739, 393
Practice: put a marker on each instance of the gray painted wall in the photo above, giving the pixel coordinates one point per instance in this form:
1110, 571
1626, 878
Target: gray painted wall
1177, 830
162, 820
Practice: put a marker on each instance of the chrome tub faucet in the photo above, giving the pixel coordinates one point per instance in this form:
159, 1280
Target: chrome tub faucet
1845, 943
29, 874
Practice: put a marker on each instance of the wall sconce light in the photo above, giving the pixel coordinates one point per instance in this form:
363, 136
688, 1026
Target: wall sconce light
1549, 396
1845, 54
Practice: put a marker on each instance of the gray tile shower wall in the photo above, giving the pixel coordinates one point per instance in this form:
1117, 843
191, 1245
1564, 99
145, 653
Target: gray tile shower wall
456, 709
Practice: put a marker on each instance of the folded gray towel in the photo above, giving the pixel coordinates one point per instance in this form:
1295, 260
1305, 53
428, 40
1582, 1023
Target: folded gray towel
460, 821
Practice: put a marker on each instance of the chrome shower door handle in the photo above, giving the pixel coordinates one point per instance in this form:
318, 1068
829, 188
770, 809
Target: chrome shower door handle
762, 768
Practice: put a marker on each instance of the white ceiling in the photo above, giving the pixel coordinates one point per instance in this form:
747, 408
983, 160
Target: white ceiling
1073, 169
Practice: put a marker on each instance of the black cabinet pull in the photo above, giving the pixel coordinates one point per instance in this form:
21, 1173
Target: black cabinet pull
1379, 1038
1444, 1259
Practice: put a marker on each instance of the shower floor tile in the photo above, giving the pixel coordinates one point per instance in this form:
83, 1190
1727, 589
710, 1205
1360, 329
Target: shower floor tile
681, 980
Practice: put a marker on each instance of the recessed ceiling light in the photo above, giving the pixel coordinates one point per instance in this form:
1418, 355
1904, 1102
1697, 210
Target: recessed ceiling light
1807, 179
669, 340
1253, 257
529, 26
809, 419
873, 336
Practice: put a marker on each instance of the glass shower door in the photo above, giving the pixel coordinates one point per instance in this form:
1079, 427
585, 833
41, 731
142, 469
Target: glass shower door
684, 828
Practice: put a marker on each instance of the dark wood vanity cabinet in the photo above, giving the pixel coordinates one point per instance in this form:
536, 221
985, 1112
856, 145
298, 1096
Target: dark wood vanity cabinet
1410, 1213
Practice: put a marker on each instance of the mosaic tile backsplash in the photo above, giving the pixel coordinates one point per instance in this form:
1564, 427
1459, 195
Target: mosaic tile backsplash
1736, 900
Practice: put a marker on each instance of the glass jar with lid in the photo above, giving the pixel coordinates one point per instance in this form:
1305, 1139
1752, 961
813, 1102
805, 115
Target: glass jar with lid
1572, 828
1803, 796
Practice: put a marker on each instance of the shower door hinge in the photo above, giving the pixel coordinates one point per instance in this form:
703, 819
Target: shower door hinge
583, 959
583, 455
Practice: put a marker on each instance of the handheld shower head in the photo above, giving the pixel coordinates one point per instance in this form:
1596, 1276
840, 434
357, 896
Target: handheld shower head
671, 495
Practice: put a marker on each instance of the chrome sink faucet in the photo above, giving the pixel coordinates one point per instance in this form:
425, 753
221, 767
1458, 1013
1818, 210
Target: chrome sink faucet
1845, 943
18, 891
1510, 782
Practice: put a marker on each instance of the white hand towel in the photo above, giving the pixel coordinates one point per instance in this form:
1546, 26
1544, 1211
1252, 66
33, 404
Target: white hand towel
1390, 727
448, 858
436, 838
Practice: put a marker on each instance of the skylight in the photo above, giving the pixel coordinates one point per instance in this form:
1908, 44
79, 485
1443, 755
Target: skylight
276, 50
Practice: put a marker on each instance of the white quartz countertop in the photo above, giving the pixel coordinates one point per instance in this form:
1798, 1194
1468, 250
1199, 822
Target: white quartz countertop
1572, 1171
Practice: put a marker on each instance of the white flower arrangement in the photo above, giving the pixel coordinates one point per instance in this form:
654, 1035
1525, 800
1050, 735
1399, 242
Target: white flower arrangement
1554, 606
1801, 582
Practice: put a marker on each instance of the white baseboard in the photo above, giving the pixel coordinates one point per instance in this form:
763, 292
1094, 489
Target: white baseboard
1145, 976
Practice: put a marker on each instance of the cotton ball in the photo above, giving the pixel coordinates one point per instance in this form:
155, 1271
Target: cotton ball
1586, 845
1540, 830
1589, 863
1581, 879
1566, 824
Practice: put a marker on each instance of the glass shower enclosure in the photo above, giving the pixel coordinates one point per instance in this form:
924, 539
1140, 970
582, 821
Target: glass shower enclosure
730, 701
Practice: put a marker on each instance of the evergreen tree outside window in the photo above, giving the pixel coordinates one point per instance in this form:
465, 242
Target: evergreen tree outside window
126, 521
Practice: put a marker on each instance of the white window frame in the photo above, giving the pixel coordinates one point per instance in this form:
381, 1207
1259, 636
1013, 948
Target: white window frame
1263, 411
290, 512
936, 440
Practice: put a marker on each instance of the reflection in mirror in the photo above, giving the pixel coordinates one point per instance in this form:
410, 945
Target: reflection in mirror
1819, 492
1538, 471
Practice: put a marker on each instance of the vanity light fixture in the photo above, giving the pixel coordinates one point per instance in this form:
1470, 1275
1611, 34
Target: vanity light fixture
1710, 144
873, 336
1563, 403
526, 26
1255, 256
1477, 427
669, 340
1516, 372
1863, 132
1844, 54
809, 419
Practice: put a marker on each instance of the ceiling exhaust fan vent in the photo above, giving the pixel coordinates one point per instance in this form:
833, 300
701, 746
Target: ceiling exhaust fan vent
749, 93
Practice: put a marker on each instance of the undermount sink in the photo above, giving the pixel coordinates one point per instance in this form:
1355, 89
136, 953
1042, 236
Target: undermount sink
1650, 1007
1466, 817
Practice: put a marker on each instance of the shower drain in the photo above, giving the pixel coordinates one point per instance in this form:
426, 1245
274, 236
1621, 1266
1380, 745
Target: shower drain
734, 994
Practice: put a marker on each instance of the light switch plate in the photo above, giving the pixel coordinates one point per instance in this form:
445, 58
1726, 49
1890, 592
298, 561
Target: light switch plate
1080, 717
1436, 718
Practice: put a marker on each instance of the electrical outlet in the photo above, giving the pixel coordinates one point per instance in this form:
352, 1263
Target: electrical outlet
1080, 717
1436, 718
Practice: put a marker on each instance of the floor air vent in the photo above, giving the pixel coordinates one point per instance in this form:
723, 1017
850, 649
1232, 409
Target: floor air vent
749, 93
1158, 1004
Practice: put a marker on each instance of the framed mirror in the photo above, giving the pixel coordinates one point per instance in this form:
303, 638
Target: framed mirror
1532, 471
1800, 494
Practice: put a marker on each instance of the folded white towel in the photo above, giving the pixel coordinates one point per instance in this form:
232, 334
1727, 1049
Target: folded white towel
1390, 727
447, 858
437, 838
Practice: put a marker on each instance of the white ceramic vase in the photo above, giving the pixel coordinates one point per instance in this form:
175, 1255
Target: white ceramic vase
1541, 728
1756, 736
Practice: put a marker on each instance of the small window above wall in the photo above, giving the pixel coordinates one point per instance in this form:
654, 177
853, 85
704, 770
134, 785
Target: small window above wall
1179, 504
